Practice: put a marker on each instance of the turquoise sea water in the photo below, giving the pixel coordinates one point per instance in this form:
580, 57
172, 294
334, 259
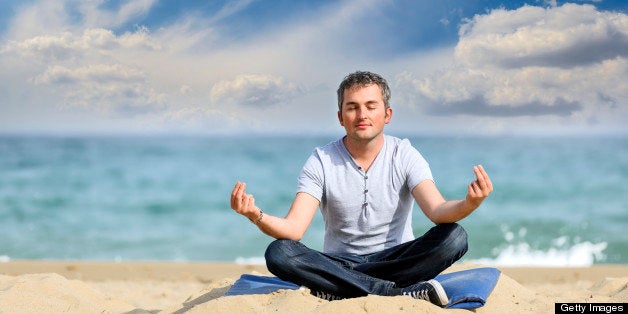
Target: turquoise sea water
557, 201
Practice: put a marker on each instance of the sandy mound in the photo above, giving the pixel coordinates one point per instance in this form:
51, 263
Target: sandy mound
615, 289
52, 293
508, 296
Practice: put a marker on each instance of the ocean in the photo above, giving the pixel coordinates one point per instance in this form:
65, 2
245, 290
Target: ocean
557, 201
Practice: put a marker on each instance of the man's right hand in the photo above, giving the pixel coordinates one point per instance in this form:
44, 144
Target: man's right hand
291, 227
242, 203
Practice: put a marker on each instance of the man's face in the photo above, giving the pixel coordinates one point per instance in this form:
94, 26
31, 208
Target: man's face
364, 113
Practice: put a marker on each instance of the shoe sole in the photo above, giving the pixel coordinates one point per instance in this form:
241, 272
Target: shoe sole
442, 295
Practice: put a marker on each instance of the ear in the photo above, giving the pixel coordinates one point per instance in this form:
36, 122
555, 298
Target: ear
340, 118
388, 116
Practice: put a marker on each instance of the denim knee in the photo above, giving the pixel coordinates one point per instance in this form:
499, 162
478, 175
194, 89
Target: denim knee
456, 238
277, 254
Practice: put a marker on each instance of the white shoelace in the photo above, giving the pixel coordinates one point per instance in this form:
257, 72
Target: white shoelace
327, 296
421, 294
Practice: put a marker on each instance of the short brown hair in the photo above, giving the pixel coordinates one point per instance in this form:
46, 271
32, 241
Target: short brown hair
363, 78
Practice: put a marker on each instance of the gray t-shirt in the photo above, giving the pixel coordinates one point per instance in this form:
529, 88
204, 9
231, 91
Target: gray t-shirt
365, 212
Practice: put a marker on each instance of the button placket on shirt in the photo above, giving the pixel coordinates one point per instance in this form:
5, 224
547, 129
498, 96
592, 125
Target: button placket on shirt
365, 176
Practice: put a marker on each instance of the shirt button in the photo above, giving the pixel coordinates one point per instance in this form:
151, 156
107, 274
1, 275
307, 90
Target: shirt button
366, 177
366, 191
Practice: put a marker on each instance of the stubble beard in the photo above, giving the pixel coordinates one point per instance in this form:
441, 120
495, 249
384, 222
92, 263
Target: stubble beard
364, 137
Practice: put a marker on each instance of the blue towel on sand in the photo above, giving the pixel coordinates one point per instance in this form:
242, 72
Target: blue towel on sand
251, 284
467, 289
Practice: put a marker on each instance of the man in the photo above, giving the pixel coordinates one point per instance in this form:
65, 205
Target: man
365, 185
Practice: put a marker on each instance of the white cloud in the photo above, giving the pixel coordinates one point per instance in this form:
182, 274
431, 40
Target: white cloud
93, 69
230, 8
567, 61
53, 16
94, 16
94, 73
187, 75
253, 90
566, 36
92, 42
155, 78
112, 88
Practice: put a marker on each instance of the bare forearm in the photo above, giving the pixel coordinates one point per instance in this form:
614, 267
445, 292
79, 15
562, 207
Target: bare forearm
452, 211
439, 210
291, 227
278, 228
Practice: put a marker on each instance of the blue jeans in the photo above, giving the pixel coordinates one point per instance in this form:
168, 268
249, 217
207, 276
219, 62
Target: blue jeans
380, 273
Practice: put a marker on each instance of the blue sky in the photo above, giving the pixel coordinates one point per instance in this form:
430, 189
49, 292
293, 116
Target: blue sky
223, 67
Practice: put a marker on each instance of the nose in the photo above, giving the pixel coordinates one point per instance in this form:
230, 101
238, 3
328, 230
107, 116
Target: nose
361, 113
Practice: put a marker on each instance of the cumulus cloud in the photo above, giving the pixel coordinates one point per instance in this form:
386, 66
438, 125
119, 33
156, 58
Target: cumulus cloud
95, 42
566, 36
532, 61
34, 18
142, 72
559, 62
186, 70
253, 90
101, 86
97, 73
91, 69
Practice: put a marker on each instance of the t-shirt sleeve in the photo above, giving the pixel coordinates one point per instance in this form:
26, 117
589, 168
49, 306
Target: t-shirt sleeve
311, 177
415, 166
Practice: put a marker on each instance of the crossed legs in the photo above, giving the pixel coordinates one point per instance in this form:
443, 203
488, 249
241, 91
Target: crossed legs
380, 273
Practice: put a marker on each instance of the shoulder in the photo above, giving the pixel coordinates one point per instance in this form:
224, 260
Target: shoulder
331, 146
330, 150
402, 151
326, 153
397, 145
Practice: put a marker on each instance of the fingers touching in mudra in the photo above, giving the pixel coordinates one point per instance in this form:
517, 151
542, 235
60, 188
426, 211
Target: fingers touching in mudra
242, 203
479, 189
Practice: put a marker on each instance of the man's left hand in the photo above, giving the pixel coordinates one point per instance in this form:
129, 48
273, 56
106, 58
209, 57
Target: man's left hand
480, 188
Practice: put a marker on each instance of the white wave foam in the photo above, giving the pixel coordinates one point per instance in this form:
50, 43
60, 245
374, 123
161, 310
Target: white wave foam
4, 259
258, 260
578, 255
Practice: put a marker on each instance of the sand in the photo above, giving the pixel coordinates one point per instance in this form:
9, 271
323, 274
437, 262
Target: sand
158, 287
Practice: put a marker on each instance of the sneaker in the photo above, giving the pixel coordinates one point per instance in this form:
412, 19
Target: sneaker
430, 290
325, 296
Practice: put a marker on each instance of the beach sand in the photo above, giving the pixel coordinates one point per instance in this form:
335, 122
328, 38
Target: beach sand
160, 287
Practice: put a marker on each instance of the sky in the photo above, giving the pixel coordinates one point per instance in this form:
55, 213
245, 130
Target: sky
273, 67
